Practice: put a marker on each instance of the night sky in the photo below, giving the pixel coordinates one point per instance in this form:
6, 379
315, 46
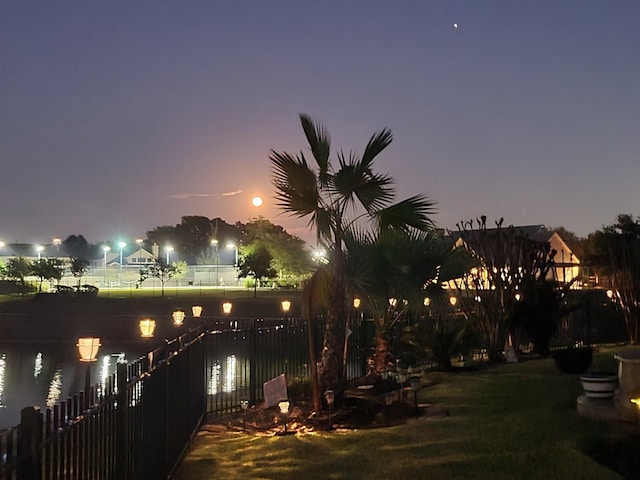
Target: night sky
119, 116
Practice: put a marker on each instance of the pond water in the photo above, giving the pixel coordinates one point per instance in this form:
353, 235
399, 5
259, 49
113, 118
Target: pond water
44, 374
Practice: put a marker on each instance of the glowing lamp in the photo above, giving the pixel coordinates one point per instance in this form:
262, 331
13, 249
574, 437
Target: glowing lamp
196, 310
147, 327
518, 297
283, 406
329, 396
427, 301
393, 302
226, 308
453, 301
610, 293
356, 302
178, 317
88, 348
286, 306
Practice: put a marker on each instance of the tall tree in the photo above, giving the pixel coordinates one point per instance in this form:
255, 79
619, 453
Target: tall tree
258, 264
290, 256
333, 198
615, 250
503, 258
77, 246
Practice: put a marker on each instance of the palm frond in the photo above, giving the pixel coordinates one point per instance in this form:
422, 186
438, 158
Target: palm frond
412, 212
323, 220
315, 292
295, 183
319, 142
378, 142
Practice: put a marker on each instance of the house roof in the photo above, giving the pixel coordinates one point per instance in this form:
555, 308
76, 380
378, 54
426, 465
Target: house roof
536, 233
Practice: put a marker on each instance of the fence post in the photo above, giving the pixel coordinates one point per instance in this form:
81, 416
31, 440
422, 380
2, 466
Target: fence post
253, 373
29, 443
121, 421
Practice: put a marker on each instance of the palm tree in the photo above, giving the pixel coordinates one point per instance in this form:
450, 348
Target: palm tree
334, 198
392, 272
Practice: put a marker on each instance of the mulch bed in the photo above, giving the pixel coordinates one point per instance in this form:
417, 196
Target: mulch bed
353, 414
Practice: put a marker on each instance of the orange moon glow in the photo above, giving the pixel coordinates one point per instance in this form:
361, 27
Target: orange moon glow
256, 201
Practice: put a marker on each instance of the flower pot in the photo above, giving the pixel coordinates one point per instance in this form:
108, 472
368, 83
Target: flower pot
573, 360
599, 384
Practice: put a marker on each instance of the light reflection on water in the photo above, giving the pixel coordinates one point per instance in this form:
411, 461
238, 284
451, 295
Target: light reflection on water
46, 374
216, 384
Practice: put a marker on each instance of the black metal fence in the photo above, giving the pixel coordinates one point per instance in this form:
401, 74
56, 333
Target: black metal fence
137, 427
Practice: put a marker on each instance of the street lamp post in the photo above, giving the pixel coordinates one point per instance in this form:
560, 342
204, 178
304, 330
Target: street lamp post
168, 249
214, 243
39, 249
105, 249
121, 245
235, 254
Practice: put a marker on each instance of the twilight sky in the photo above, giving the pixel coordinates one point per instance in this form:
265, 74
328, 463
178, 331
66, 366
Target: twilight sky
119, 116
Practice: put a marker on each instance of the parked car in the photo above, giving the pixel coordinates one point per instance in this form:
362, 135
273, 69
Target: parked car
87, 290
64, 290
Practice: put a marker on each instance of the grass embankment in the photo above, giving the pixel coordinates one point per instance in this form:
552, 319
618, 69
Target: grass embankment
515, 421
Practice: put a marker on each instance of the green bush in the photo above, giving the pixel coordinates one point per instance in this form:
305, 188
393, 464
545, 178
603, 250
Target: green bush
299, 389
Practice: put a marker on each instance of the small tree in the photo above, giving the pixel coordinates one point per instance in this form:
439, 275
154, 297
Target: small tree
78, 267
47, 269
163, 271
16, 269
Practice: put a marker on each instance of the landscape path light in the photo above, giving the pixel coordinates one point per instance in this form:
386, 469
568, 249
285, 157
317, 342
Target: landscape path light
147, 327
283, 405
244, 403
402, 378
88, 352
330, 397
196, 311
178, 317
227, 307
415, 386
286, 305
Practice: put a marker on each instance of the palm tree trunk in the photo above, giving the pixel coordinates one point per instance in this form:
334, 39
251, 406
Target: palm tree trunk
381, 355
333, 345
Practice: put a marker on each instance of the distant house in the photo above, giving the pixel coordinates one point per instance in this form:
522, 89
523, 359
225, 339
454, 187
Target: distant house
140, 257
567, 265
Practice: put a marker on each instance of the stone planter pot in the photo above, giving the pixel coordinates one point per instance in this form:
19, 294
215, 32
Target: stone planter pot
573, 360
599, 384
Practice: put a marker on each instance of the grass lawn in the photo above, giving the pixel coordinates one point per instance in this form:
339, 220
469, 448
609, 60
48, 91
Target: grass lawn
514, 421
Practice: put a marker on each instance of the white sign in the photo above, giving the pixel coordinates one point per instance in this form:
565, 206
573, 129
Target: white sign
275, 390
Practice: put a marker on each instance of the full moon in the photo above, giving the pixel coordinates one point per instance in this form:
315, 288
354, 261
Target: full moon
256, 201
